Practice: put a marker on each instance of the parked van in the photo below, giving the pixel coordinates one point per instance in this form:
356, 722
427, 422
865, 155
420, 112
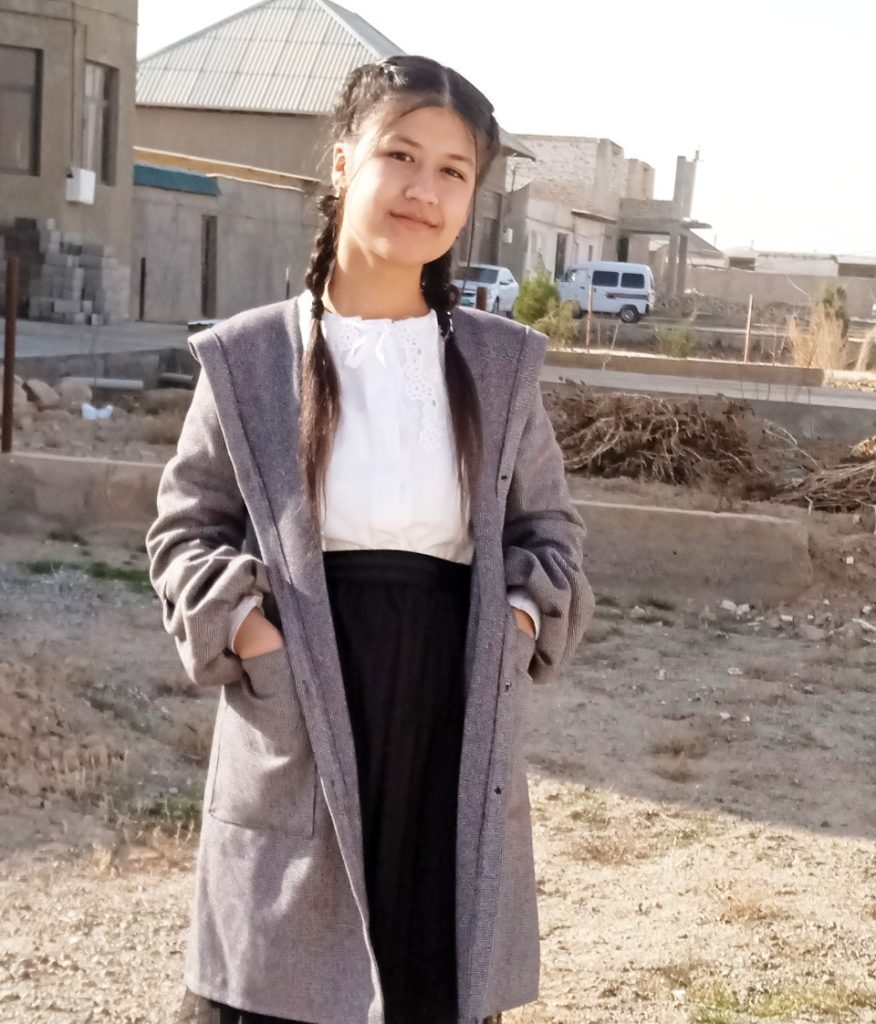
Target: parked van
623, 289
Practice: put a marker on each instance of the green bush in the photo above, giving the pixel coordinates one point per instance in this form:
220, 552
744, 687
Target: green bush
676, 342
535, 294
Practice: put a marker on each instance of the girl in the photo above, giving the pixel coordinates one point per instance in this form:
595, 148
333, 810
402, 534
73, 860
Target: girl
366, 544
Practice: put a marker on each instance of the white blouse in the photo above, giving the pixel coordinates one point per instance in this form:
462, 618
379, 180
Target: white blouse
391, 479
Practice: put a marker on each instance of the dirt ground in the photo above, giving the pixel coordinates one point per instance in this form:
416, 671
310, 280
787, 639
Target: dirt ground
703, 784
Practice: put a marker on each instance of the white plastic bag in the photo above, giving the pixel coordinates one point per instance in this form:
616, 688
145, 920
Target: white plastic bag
90, 412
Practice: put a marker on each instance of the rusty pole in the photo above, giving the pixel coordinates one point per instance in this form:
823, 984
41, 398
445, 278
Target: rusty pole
9, 352
481, 297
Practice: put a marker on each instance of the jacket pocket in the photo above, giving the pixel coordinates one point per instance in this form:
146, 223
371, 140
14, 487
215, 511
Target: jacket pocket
264, 776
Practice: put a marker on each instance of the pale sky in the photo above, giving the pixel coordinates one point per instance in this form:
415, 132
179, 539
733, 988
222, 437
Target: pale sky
778, 96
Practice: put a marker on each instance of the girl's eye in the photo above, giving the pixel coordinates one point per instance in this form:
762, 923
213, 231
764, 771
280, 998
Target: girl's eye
399, 153
453, 170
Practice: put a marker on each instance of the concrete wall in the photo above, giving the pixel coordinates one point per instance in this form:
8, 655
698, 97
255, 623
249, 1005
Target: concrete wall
262, 230
797, 289
296, 144
69, 34
536, 224
632, 551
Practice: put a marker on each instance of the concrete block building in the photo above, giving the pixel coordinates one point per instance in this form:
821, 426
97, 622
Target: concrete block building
66, 136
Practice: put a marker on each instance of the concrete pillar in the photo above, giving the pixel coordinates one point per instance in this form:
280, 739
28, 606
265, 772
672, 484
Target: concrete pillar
681, 274
670, 275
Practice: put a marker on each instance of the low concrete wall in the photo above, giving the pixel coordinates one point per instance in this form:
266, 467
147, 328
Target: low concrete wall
712, 369
632, 551
640, 551
137, 364
78, 494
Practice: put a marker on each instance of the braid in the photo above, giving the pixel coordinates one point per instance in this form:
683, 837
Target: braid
320, 386
442, 295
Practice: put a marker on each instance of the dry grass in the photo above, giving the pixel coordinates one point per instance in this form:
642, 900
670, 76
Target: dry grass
681, 740
818, 343
162, 428
718, 1003
751, 907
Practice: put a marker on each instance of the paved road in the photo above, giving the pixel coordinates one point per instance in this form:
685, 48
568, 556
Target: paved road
661, 383
37, 338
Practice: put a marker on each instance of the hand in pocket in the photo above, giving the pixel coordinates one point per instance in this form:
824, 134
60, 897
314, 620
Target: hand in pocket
256, 636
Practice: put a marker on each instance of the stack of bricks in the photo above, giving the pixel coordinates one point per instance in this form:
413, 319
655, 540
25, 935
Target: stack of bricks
61, 278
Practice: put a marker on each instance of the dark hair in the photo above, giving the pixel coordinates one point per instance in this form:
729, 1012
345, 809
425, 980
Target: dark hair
399, 85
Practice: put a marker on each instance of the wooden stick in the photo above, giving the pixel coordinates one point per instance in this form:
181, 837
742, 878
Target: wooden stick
748, 330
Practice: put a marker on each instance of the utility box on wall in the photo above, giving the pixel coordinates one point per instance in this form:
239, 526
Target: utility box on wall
80, 185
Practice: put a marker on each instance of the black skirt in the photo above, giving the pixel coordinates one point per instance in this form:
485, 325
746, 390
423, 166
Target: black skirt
400, 621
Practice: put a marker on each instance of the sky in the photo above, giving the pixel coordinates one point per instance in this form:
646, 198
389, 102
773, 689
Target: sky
778, 97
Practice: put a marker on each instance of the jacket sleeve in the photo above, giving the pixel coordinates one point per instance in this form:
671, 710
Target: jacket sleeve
543, 540
196, 565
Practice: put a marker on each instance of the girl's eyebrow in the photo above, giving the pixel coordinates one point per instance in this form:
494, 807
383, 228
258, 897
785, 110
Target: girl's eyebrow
416, 145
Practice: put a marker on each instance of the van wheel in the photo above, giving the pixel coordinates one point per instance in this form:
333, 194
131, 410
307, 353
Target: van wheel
630, 315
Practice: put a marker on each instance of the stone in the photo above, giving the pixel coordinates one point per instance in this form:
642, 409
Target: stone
813, 634
45, 396
73, 391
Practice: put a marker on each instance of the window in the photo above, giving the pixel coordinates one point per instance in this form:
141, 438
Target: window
99, 122
633, 280
482, 275
20, 103
606, 278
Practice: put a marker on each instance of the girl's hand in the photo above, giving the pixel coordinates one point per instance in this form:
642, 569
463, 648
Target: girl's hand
524, 622
256, 636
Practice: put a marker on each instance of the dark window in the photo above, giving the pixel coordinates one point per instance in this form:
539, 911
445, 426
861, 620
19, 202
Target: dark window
20, 102
99, 122
607, 278
633, 280
481, 275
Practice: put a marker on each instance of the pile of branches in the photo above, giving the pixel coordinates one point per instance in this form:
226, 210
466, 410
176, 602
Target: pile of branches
658, 440
845, 488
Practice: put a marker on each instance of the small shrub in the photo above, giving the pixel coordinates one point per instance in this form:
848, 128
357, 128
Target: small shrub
823, 341
676, 342
558, 323
535, 294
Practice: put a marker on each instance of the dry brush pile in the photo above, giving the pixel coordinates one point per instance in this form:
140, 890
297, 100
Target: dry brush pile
716, 443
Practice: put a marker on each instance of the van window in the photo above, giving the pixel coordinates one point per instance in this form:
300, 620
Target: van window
605, 277
633, 280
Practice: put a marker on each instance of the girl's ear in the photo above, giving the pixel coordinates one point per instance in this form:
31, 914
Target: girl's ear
339, 166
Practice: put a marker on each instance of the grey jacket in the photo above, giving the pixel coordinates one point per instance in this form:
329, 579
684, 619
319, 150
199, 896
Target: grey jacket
280, 918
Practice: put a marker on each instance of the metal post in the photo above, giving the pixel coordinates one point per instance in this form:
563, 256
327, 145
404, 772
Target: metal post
142, 288
589, 315
9, 352
481, 297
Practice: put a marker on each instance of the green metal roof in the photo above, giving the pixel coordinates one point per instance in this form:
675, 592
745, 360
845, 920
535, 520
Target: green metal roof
153, 176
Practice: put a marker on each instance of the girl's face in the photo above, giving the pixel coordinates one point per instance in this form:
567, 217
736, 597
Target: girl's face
409, 186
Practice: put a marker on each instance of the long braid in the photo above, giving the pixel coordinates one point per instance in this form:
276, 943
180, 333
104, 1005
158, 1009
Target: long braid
320, 385
442, 295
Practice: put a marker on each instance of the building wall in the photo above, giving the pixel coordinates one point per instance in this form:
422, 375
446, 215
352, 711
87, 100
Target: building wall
69, 34
262, 230
797, 289
296, 144
536, 224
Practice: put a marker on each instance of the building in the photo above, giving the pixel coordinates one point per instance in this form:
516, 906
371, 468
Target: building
66, 165
257, 89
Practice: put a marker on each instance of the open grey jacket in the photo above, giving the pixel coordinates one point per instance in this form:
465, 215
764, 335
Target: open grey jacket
280, 918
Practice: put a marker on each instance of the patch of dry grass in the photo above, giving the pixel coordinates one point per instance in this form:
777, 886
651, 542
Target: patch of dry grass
719, 1003
162, 428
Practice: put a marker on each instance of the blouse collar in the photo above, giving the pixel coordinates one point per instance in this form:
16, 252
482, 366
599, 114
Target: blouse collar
423, 326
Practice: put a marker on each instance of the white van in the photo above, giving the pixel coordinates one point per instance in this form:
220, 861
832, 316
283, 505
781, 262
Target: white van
623, 289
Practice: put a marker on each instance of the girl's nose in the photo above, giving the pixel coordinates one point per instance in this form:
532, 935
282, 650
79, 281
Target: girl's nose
422, 188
